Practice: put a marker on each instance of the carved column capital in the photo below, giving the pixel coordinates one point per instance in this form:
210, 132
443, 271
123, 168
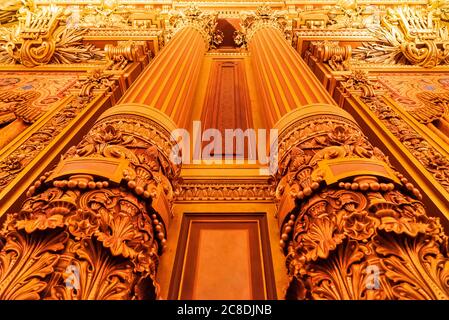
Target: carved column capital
202, 21
262, 17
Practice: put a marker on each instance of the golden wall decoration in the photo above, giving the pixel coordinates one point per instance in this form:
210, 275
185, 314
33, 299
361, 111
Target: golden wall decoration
16, 161
350, 226
407, 35
8, 11
345, 14
40, 39
436, 163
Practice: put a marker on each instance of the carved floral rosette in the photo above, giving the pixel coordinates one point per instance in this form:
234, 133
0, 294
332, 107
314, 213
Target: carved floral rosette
357, 229
94, 227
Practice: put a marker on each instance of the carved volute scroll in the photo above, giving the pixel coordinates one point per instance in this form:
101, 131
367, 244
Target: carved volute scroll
352, 227
94, 227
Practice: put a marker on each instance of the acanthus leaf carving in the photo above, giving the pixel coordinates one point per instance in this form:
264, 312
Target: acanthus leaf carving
25, 261
358, 235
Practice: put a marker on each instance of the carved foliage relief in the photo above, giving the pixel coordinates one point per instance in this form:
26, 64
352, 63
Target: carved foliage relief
93, 234
362, 235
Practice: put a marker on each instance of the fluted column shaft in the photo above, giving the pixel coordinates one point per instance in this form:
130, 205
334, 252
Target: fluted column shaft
285, 81
169, 82
351, 226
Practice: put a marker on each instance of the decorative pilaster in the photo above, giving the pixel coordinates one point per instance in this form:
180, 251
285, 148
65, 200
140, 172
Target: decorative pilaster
351, 226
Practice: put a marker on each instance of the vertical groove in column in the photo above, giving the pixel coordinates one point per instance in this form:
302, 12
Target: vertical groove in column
283, 75
169, 81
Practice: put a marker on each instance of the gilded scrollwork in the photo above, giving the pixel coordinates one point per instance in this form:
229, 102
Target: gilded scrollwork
8, 11
408, 36
41, 37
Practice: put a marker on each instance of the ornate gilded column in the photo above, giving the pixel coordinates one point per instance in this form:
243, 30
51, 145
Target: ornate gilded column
351, 226
95, 226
